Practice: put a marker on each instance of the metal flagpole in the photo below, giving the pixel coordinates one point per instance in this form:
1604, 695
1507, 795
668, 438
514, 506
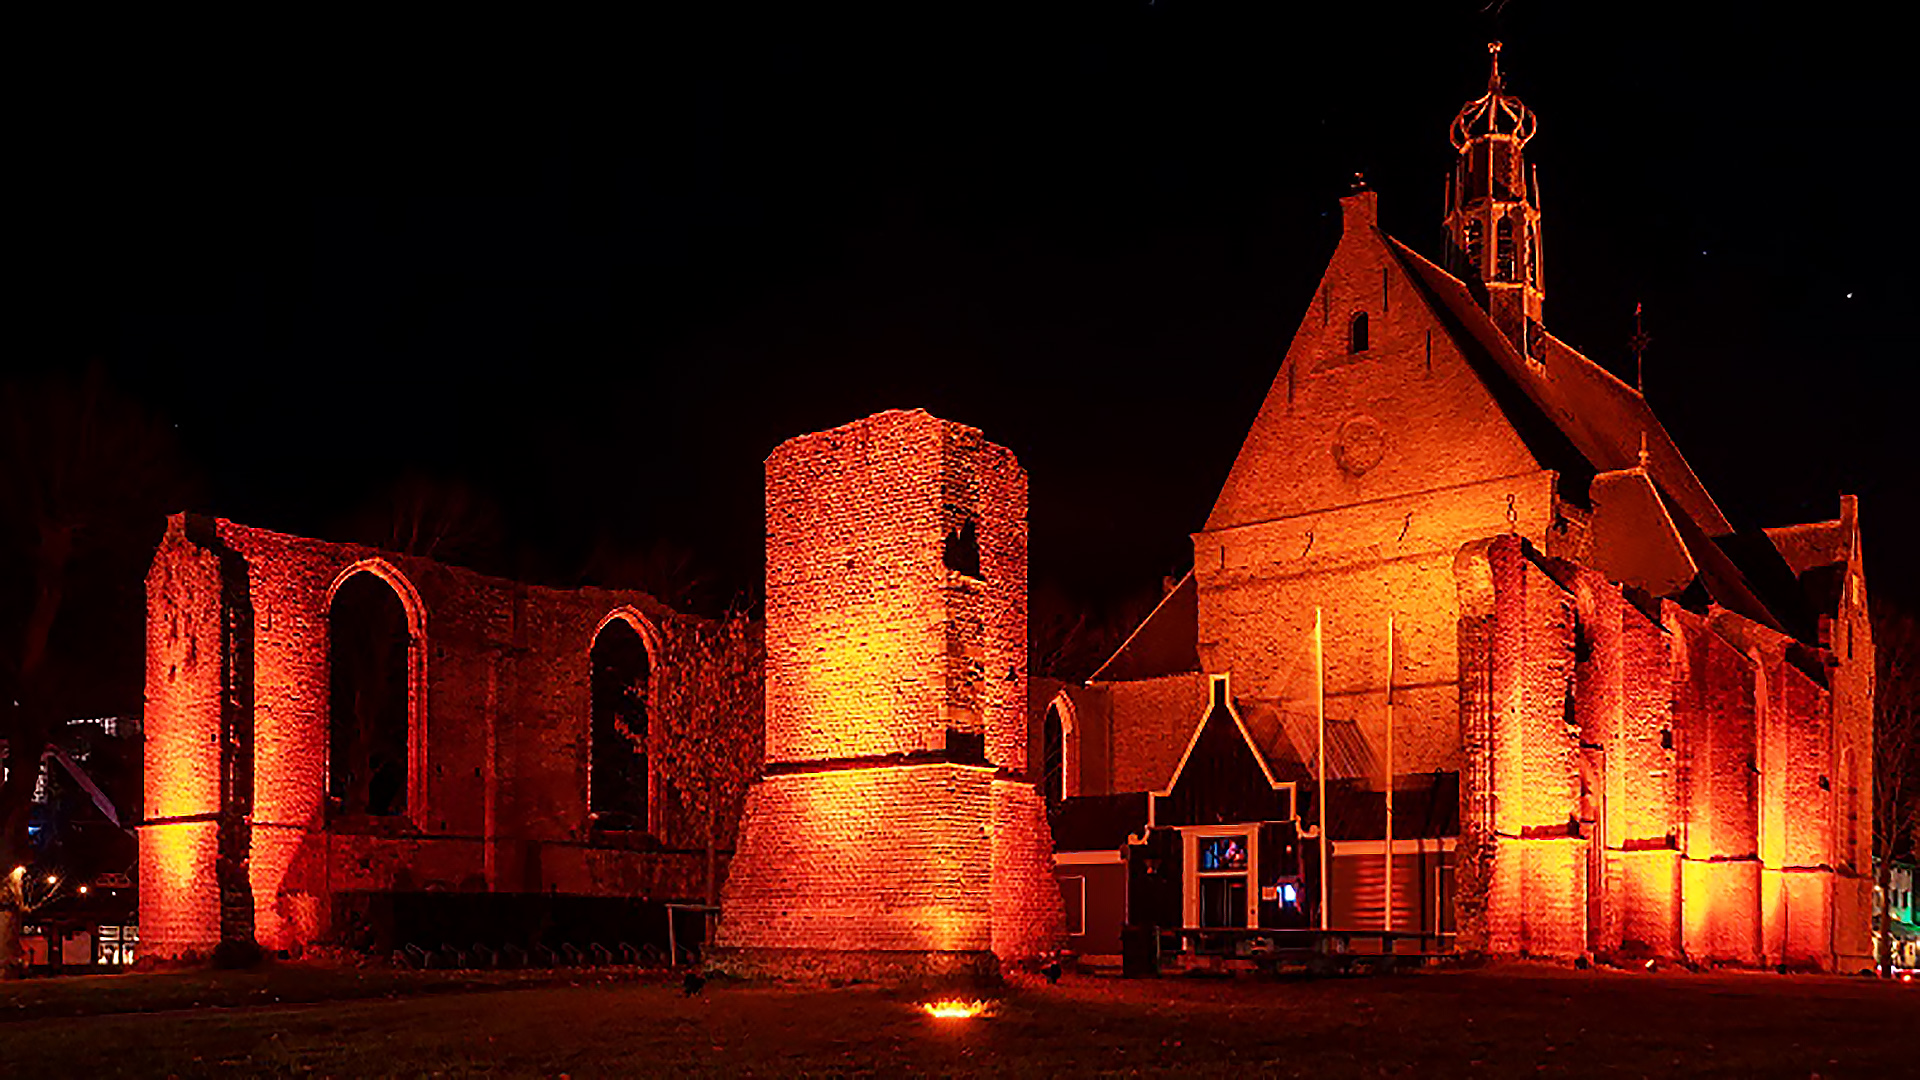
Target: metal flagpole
1320, 708
1389, 904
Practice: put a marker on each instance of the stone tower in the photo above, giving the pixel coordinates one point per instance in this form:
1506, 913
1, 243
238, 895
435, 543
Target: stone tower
895, 831
1493, 207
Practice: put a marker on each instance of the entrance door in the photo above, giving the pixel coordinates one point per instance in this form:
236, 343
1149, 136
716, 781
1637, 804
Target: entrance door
1220, 883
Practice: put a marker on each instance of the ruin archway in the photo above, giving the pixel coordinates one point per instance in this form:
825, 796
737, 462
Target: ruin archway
619, 779
1058, 755
375, 659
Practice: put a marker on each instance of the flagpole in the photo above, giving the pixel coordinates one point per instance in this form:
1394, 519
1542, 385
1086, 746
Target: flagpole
1320, 710
1389, 904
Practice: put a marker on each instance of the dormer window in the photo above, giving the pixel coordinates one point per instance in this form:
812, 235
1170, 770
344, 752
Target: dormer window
1357, 333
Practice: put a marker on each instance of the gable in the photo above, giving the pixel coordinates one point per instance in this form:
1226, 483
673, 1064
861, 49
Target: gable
1221, 780
1406, 414
1163, 643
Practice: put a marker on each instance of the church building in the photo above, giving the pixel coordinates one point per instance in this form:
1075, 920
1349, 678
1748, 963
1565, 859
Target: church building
1469, 651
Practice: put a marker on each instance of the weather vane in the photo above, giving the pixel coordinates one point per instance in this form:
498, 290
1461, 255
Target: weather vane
1639, 342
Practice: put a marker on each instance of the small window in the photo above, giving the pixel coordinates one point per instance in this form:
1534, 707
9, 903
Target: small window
961, 550
1223, 854
1474, 244
1357, 334
1503, 261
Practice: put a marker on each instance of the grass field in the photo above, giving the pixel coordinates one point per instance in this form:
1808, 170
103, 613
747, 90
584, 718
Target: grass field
1503, 1021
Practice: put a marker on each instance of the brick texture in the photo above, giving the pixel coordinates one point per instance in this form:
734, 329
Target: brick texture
896, 816
1639, 787
499, 730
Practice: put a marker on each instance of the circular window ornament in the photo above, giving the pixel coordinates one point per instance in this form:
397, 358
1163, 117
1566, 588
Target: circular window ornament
1360, 445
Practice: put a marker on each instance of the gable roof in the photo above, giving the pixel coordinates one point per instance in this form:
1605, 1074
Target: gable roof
1223, 777
1600, 424
1165, 643
1288, 739
1596, 413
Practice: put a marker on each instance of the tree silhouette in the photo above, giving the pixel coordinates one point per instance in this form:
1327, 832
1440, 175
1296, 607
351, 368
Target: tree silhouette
1896, 758
85, 479
711, 740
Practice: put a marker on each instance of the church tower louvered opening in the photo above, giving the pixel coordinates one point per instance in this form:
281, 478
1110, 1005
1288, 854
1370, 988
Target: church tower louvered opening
1493, 205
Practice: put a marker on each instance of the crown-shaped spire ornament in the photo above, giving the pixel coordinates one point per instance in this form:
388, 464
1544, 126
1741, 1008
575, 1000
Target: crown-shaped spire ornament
1495, 112
1493, 209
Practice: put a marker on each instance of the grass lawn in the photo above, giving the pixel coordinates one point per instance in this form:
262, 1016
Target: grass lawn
1504, 1021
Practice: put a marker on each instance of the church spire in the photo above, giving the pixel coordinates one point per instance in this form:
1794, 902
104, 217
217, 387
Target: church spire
1493, 206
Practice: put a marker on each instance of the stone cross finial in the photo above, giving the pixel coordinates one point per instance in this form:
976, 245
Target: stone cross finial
1493, 80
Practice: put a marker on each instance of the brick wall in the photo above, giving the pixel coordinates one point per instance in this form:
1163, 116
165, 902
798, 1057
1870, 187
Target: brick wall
1671, 807
1360, 479
179, 896
896, 816
498, 724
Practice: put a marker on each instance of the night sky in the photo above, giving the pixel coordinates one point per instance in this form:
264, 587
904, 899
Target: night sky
596, 272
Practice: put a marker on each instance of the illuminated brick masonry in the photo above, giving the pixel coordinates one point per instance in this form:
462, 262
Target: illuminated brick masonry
1645, 781
1659, 722
895, 830
486, 782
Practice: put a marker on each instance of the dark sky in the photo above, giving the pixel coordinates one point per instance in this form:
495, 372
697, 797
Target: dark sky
598, 271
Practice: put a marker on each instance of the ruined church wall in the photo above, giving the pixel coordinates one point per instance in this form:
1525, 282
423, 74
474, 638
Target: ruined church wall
896, 815
1637, 788
179, 895
500, 722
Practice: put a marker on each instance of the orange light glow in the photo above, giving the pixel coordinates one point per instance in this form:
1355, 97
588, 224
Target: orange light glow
957, 1010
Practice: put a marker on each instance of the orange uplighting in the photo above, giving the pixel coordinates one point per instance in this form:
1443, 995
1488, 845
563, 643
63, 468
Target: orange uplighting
956, 1009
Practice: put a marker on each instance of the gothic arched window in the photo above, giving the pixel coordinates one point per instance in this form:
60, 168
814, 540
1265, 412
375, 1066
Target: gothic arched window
1475, 242
1053, 756
368, 656
1357, 333
617, 772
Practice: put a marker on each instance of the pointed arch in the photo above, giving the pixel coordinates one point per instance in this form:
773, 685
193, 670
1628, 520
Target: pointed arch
623, 667
1059, 750
1357, 340
377, 693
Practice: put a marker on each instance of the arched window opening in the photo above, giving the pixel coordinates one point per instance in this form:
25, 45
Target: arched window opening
617, 782
1053, 757
1503, 269
1357, 333
368, 648
960, 551
1475, 243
